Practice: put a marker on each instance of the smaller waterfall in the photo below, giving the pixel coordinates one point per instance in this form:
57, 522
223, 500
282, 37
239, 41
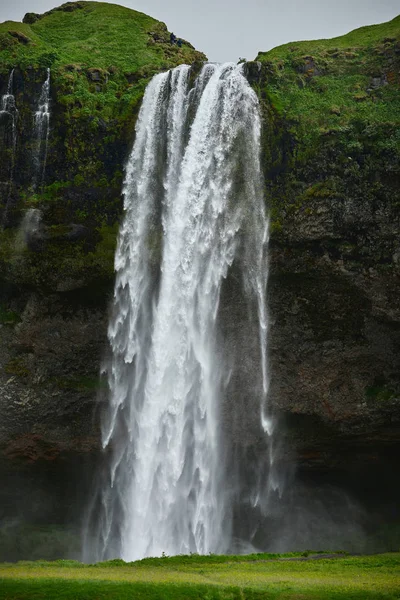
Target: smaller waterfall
41, 129
8, 99
9, 111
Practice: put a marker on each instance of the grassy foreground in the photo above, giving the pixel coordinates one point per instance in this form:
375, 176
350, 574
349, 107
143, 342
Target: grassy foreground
254, 577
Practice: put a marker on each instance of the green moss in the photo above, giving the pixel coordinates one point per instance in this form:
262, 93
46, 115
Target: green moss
8, 317
102, 258
314, 155
59, 263
321, 189
7, 250
17, 367
101, 56
379, 393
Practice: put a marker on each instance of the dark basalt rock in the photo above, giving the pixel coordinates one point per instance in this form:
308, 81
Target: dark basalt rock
309, 67
253, 71
77, 232
30, 18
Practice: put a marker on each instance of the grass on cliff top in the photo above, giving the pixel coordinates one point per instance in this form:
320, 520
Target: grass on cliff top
252, 577
91, 34
327, 87
101, 55
366, 37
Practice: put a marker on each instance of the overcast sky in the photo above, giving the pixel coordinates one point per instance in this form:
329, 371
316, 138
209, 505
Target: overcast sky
228, 29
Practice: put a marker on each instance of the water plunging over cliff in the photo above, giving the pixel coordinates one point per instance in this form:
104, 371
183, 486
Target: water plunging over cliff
41, 129
10, 111
193, 208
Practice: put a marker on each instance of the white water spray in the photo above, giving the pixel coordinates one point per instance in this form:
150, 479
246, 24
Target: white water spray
41, 130
193, 206
10, 111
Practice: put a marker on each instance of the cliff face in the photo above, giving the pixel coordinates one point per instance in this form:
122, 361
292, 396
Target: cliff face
332, 150
331, 155
332, 173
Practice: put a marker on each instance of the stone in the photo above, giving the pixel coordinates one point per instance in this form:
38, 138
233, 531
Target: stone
21, 37
30, 18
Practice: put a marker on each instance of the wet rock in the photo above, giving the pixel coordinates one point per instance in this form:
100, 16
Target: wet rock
377, 82
97, 75
77, 232
309, 67
252, 71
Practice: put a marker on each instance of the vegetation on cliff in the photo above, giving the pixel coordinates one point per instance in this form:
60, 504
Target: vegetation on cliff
323, 86
331, 147
332, 171
333, 107
98, 53
101, 58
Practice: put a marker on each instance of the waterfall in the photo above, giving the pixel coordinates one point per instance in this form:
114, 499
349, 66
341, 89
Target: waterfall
193, 199
10, 111
41, 131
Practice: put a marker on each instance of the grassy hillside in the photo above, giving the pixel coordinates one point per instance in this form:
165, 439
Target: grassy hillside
252, 577
100, 54
332, 132
325, 86
91, 34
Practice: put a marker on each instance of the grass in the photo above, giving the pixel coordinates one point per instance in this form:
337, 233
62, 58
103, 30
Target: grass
95, 34
363, 36
326, 86
332, 124
123, 48
209, 577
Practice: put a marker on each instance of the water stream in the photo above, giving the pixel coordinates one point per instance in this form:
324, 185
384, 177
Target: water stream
41, 131
10, 111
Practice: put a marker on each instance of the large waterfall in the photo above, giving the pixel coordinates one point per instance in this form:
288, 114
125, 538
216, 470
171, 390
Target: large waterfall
194, 208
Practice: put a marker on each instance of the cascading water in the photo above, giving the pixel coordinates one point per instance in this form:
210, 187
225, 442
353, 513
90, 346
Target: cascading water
8, 106
41, 130
10, 112
193, 206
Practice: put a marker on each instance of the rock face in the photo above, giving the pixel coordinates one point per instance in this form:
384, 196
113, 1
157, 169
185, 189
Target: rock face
333, 184
331, 154
332, 177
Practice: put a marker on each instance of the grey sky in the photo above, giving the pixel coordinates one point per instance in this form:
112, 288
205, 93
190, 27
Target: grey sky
228, 29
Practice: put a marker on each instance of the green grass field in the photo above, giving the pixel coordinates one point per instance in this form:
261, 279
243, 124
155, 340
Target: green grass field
252, 577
